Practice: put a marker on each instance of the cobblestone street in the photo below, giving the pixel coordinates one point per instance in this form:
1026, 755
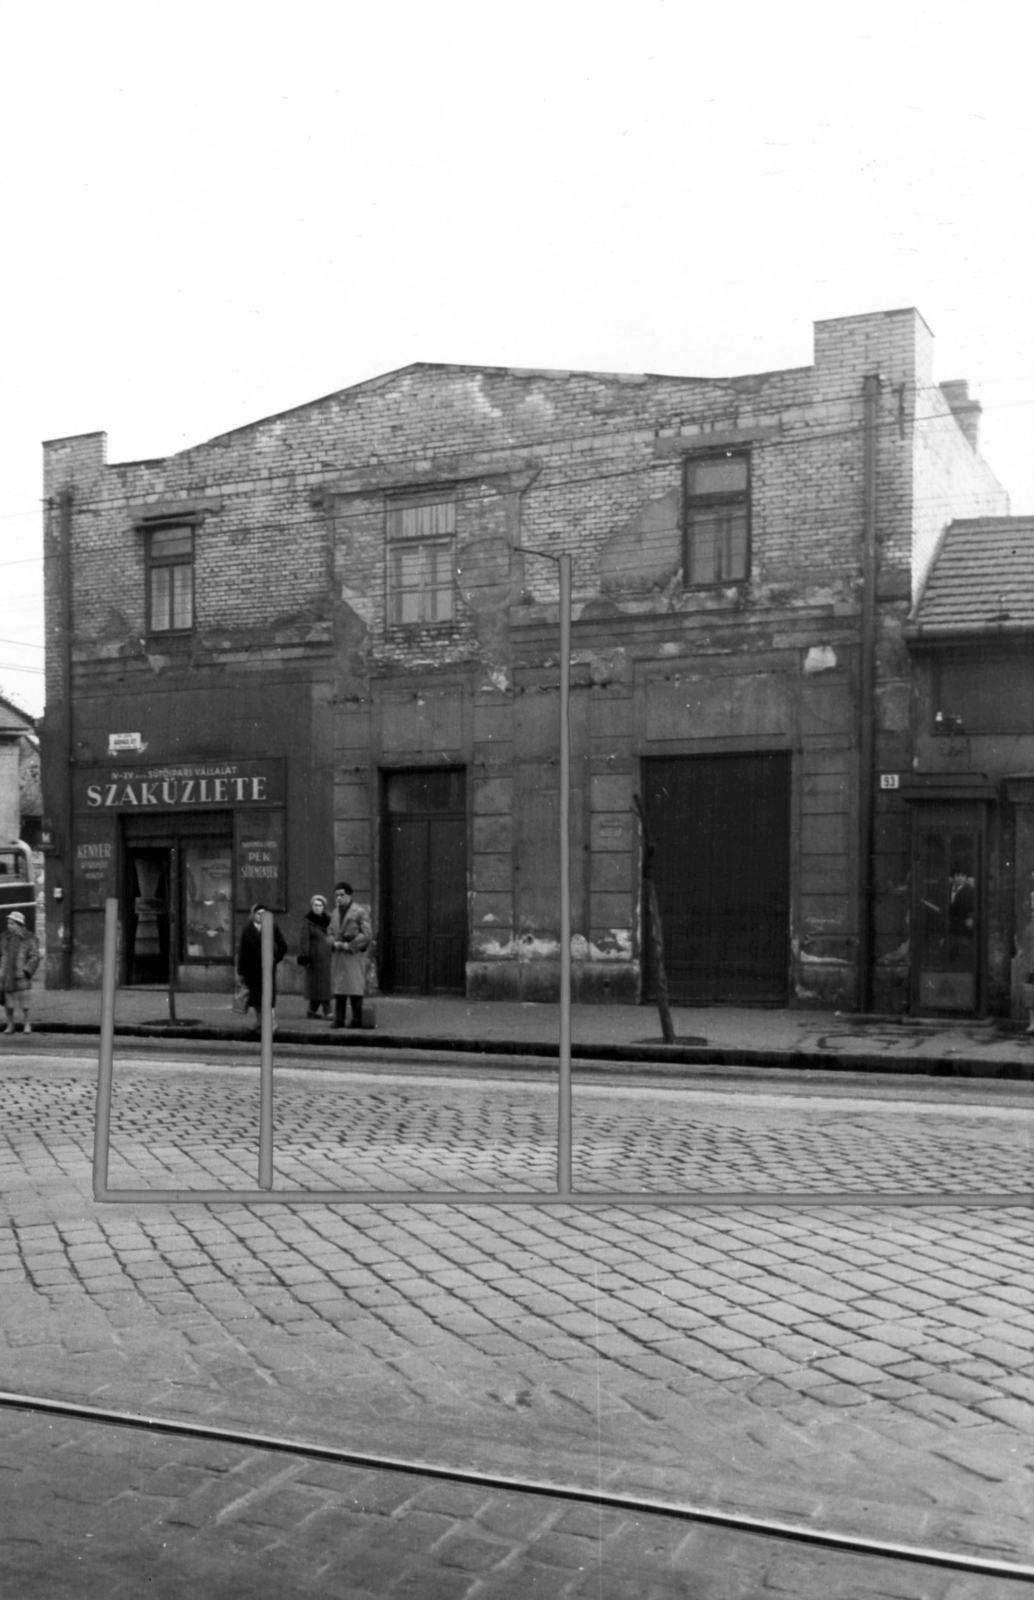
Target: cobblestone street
864, 1371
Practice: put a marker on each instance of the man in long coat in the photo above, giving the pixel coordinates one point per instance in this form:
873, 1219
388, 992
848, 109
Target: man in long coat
351, 935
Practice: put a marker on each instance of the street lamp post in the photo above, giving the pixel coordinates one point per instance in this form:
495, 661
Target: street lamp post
564, 1135
486, 573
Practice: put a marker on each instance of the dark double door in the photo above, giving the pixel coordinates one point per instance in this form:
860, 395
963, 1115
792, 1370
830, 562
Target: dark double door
425, 873
721, 831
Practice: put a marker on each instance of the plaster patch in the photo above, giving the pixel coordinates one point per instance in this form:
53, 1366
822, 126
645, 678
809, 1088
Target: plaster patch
614, 945
361, 604
810, 959
647, 552
820, 658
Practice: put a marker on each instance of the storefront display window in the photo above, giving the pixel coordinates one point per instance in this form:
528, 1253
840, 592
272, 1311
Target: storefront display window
207, 901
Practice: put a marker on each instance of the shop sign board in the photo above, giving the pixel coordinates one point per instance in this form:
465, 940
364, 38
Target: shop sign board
179, 786
260, 861
93, 864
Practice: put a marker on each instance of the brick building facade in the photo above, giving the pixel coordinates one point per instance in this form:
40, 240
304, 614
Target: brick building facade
322, 646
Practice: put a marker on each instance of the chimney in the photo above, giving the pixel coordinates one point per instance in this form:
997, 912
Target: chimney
965, 411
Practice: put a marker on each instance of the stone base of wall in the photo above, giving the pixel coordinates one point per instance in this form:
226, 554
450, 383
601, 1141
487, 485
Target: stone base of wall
822, 986
592, 982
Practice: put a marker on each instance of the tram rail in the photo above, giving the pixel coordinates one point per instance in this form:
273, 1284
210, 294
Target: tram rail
605, 1500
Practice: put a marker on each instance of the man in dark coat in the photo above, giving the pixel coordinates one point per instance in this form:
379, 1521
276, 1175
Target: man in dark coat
249, 961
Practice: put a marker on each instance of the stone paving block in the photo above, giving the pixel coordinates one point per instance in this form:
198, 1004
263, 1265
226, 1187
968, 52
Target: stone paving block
1016, 1413
516, 1517
425, 1584
570, 1551
470, 1551
381, 1493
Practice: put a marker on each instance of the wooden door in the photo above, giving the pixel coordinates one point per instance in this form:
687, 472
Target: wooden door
721, 827
425, 875
947, 916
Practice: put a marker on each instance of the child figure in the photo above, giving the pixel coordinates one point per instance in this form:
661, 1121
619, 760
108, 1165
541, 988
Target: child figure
19, 958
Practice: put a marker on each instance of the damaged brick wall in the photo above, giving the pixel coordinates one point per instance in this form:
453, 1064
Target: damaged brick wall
292, 576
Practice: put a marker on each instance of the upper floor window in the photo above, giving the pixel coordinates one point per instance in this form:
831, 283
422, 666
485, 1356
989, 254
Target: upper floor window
170, 580
421, 553
717, 518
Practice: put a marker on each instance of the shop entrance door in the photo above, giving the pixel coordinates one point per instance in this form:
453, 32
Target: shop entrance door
177, 876
721, 830
148, 875
946, 917
424, 944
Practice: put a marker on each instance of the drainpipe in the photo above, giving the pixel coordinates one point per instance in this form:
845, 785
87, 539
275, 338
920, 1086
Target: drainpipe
65, 569
867, 690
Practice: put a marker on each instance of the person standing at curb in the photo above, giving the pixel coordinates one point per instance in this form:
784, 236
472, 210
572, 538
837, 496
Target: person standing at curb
351, 935
249, 962
314, 956
19, 958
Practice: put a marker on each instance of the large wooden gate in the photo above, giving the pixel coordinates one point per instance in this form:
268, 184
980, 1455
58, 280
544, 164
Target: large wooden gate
424, 947
721, 826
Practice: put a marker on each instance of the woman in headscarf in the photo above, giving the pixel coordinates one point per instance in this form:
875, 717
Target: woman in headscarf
314, 956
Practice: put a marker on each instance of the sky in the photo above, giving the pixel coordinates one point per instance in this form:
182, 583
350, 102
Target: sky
218, 209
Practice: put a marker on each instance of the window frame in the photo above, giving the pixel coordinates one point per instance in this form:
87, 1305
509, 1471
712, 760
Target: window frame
692, 502
170, 563
397, 541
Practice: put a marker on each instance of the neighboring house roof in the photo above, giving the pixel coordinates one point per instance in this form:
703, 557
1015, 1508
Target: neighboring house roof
980, 582
13, 719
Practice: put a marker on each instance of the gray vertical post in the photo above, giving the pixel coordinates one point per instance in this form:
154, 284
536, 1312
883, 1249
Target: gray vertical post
564, 1110
266, 1061
174, 927
102, 1123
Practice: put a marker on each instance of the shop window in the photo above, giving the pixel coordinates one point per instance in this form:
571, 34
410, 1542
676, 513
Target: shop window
717, 519
170, 580
421, 554
207, 901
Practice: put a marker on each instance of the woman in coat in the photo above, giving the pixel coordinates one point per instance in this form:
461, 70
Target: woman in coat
249, 961
350, 938
19, 958
314, 956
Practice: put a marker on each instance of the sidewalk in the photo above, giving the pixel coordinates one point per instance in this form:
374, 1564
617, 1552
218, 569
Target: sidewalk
708, 1036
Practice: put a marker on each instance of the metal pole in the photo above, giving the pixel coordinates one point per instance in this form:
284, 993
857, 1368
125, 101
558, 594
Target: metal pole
564, 1110
102, 1122
174, 927
266, 1061
66, 703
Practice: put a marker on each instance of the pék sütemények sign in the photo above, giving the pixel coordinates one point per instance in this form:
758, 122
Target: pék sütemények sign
180, 786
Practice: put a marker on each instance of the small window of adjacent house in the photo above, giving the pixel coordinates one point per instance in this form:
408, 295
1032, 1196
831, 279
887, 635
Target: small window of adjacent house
421, 540
170, 580
717, 519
